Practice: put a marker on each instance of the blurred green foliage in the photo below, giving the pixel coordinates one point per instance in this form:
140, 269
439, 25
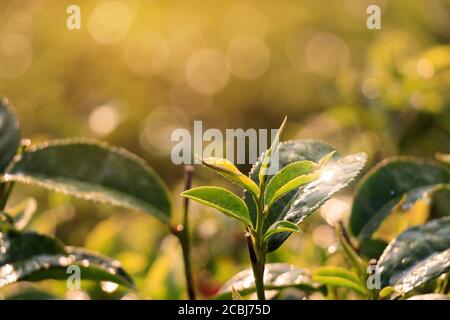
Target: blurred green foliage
139, 69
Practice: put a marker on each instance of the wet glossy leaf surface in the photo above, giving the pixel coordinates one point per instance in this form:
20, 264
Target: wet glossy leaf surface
96, 172
30, 256
416, 256
298, 205
289, 152
383, 187
9, 134
277, 276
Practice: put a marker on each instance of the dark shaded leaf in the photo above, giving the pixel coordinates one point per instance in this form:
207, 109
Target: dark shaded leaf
9, 134
277, 276
28, 256
94, 171
371, 248
383, 187
404, 204
419, 254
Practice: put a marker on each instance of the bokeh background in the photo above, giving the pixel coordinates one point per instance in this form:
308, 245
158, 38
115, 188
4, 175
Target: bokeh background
138, 69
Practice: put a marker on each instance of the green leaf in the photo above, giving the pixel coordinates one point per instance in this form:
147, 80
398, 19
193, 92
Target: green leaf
230, 172
22, 213
306, 200
339, 277
385, 184
277, 276
9, 134
268, 156
96, 172
222, 200
289, 178
28, 256
419, 254
402, 203
336, 176
372, 248
281, 226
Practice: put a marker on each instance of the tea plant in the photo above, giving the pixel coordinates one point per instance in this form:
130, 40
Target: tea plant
392, 205
274, 206
397, 242
85, 169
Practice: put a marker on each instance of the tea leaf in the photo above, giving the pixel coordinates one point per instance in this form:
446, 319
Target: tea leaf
419, 254
336, 176
383, 187
289, 178
30, 256
281, 226
277, 276
411, 209
9, 134
96, 172
221, 199
268, 155
22, 213
230, 172
313, 195
339, 277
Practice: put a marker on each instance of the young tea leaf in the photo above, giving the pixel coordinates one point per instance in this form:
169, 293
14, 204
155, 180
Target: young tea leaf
222, 200
333, 178
96, 172
230, 172
269, 155
289, 178
289, 152
281, 226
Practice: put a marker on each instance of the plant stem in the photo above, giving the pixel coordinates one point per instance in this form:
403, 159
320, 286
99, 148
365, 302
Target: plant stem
257, 250
181, 231
257, 267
